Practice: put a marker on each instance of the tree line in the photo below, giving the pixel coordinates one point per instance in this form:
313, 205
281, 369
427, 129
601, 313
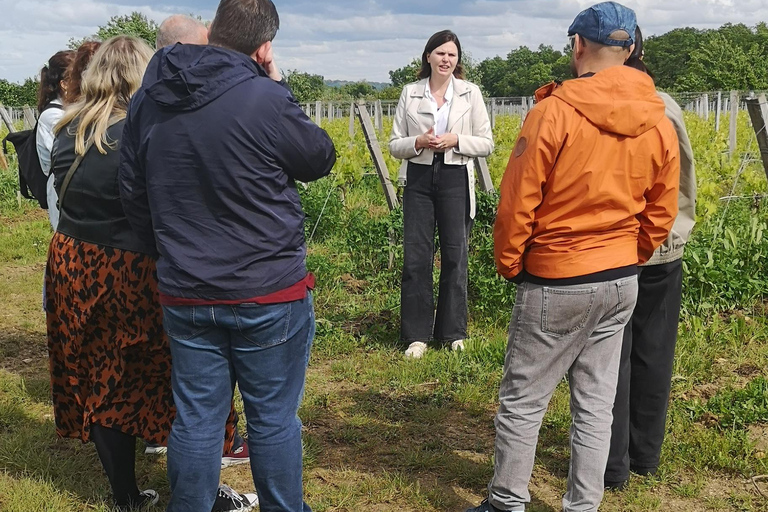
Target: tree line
734, 56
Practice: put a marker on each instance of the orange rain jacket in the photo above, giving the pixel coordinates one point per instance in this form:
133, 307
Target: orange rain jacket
592, 184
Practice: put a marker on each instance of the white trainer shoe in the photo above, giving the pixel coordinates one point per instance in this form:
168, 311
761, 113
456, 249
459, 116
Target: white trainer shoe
416, 350
457, 345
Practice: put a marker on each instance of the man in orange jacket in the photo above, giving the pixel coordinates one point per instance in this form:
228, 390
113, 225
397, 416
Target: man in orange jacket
589, 192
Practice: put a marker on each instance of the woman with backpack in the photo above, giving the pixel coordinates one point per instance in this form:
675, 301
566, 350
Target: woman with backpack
49, 105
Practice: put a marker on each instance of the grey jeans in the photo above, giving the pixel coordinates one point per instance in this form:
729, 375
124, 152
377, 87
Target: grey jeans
558, 330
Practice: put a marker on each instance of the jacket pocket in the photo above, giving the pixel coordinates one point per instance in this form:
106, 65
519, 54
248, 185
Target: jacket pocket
566, 310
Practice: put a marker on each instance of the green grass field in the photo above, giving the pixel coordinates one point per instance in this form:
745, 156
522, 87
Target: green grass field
387, 434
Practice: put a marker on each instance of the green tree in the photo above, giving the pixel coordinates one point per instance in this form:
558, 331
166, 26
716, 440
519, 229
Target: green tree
668, 55
134, 24
523, 71
723, 64
18, 95
358, 90
403, 76
305, 86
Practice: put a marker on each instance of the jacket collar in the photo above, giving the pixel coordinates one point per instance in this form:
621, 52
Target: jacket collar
459, 107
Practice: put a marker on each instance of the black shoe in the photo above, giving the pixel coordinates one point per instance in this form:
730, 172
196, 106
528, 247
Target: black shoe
616, 486
485, 506
643, 471
228, 500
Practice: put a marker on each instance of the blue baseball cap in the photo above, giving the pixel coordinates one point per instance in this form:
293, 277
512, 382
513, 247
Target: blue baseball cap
598, 22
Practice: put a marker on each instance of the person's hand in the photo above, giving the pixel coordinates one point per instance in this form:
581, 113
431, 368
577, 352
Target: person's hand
270, 67
444, 142
425, 139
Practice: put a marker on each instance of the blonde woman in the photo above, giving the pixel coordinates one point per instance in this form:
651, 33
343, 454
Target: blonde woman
441, 124
110, 364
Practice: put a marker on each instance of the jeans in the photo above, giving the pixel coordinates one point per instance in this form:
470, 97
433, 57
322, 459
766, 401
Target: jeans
645, 373
558, 330
436, 195
265, 349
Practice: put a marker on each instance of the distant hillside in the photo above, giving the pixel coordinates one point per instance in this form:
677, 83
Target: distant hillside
340, 83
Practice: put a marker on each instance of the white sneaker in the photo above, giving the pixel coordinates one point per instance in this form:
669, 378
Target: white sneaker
416, 349
149, 498
155, 449
457, 345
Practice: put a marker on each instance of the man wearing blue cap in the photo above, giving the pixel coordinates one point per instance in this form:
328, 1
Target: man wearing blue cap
590, 191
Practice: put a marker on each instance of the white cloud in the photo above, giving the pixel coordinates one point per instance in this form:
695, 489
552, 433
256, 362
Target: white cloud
356, 39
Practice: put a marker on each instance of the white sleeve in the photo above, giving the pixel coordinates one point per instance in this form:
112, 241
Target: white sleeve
45, 137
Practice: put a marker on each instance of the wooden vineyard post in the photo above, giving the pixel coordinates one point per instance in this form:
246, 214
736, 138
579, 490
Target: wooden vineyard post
486, 184
318, 113
378, 157
758, 113
705, 106
719, 109
379, 117
734, 101
351, 120
7, 119
3, 162
29, 118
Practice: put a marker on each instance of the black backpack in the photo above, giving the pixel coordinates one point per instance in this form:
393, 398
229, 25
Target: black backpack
32, 181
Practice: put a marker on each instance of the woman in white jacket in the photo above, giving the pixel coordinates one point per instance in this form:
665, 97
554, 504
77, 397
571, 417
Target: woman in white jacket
440, 125
49, 104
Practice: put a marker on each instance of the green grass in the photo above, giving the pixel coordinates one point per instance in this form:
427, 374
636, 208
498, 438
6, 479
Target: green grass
383, 433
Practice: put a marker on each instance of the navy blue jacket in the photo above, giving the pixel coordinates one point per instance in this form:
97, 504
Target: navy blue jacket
209, 155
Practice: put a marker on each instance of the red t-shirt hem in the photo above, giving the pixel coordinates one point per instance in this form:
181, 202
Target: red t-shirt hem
294, 292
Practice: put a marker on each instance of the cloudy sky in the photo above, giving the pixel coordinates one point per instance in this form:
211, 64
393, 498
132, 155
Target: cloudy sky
355, 39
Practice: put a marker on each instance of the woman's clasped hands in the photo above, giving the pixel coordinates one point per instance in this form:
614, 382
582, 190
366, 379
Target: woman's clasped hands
443, 142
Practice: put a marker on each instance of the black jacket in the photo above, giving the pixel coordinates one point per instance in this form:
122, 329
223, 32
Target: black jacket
91, 210
211, 149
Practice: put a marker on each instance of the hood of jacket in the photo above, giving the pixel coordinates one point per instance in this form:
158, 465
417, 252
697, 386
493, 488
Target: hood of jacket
619, 100
187, 76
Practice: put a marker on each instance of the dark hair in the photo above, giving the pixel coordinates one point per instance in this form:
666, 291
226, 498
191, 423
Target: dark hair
635, 59
439, 39
74, 74
244, 25
51, 76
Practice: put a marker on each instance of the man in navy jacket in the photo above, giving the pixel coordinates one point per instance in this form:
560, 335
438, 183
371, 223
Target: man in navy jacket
213, 143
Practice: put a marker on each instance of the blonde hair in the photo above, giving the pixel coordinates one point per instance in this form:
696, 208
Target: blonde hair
113, 75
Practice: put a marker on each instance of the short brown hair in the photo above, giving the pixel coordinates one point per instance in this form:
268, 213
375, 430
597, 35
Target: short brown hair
244, 25
439, 39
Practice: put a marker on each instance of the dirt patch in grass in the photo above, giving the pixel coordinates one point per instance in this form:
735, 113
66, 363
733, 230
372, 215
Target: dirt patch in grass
23, 352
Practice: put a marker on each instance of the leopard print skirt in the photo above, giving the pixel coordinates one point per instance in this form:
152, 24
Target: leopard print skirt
109, 358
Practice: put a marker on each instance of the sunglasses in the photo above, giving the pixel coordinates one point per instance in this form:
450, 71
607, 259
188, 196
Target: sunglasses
572, 41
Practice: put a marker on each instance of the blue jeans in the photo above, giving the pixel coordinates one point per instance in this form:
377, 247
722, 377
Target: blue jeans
265, 349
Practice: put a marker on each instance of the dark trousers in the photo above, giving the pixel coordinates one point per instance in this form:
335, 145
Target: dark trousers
117, 452
436, 195
645, 373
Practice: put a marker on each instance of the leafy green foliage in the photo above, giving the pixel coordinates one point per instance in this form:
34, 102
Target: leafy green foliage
18, 95
739, 408
134, 24
730, 57
305, 86
401, 77
523, 71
